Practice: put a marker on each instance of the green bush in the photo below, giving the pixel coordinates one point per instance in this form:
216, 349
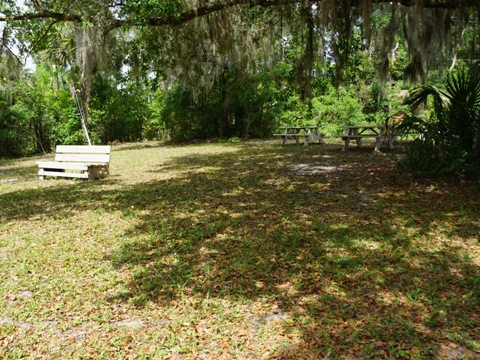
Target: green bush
336, 108
450, 141
117, 114
236, 106
25, 125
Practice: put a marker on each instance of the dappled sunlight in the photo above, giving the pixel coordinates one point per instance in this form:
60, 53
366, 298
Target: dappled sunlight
369, 245
251, 257
136, 166
334, 290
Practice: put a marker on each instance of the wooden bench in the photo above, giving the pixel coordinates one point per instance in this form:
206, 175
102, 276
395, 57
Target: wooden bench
77, 161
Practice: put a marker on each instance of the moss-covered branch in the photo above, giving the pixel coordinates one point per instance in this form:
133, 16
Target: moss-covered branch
189, 14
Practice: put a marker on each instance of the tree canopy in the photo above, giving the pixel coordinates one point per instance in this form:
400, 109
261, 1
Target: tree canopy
205, 36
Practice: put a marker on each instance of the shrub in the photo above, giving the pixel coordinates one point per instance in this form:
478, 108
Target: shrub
336, 108
450, 141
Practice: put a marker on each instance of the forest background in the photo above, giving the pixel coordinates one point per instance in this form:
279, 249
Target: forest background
184, 71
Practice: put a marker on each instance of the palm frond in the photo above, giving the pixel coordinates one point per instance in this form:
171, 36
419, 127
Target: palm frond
410, 125
463, 88
420, 95
452, 133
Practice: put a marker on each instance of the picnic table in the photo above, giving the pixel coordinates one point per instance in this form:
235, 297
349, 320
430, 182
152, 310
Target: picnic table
309, 133
358, 132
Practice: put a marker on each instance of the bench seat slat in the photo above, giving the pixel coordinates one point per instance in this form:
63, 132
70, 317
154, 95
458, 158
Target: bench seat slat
62, 165
87, 158
357, 136
43, 172
83, 149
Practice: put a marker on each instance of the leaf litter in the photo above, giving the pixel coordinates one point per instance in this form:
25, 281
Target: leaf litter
212, 251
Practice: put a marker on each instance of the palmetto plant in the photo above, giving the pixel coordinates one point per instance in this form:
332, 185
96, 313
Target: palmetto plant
450, 136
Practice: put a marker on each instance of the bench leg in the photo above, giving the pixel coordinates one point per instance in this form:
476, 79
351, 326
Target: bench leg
345, 145
97, 172
378, 145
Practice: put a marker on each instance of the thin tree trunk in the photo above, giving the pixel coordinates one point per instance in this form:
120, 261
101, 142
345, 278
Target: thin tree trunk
82, 108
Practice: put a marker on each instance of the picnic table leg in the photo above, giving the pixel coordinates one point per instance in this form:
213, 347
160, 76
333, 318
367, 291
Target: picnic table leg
308, 137
391, 142
379, 143
358, 139
346, 143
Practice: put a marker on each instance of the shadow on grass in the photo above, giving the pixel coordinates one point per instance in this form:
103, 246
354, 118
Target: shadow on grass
337, 249
17, 173
137, 146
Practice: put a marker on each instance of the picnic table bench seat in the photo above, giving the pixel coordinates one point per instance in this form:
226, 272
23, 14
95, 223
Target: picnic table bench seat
359, 136
308, 137
286, 137
77, 161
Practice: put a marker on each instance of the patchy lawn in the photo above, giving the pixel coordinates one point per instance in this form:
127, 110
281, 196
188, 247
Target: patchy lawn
239, 251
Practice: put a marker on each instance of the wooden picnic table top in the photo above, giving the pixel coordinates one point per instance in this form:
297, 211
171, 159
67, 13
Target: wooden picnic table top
301, 127
378, 126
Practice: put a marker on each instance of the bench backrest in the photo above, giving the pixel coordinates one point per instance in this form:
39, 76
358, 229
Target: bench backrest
83, 153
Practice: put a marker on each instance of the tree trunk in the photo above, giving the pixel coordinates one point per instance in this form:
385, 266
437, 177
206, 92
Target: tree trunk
227, 119
306, 64
82, 98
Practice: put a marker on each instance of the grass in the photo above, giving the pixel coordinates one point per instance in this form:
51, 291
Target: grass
241, 250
